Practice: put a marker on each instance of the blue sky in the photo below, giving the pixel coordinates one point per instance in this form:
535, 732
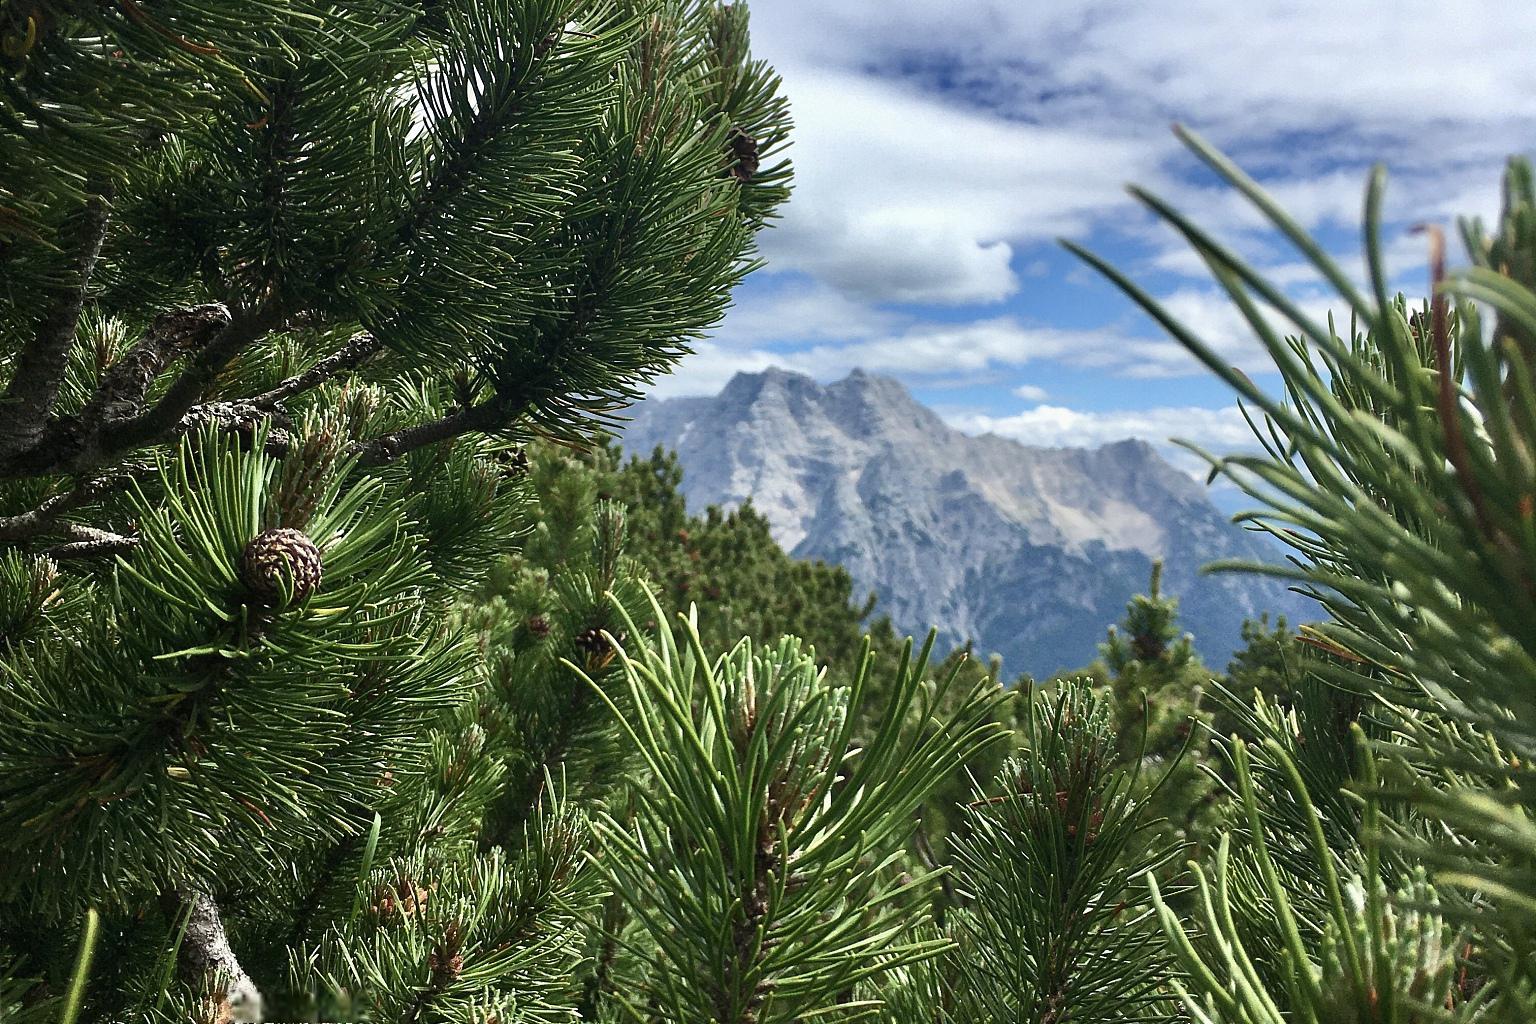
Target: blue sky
942, 147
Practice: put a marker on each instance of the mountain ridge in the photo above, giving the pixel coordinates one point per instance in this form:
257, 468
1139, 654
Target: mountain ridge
1031, 551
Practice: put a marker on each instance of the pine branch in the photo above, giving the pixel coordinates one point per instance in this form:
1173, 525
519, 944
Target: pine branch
356, 351
89, 542
39, 367
487, 416
39, 520
179, 399
210, 963
243, 419
97, 436
125, 383
504, 105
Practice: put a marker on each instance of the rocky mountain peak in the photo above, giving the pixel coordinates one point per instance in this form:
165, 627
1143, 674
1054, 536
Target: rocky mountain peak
1030, 551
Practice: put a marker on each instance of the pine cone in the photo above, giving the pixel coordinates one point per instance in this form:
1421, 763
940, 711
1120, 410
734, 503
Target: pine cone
744, 156
538, 625
596, 647
275, 556
515, 464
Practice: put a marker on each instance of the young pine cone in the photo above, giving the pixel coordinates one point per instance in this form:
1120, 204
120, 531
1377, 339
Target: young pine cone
277, 557
742, 149
596, 647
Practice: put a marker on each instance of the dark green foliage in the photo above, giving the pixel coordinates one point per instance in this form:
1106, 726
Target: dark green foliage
761, 861
729, 564
1271, 665
554, 605
1155, 677
284, 287
491, 935
1055, 923
728, 567
196, 676
1268, 662
1155, 686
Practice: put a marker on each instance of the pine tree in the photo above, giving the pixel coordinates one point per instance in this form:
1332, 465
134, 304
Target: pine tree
726, 562
763, 860
285, 287
1055, 923
1156, 686
1271, 665
1155, 676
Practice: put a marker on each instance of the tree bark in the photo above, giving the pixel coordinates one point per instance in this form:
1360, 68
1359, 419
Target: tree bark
210, 965
40, 365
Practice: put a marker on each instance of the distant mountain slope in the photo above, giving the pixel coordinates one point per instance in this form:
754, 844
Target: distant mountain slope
1032, 552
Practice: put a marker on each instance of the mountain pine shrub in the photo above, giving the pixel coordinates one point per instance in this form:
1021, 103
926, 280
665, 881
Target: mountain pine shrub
285, 285
1381, 866
309, 715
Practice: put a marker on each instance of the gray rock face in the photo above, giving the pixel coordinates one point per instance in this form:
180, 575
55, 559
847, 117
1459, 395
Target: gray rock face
1031, 552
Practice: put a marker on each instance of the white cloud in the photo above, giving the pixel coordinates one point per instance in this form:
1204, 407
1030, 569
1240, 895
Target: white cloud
1031, 392
910, 197
1219, 431
797, 310
816, 331
1059, 426
1386, 68
1440, 196
927, 350
903, 198
708, 370
1215, 320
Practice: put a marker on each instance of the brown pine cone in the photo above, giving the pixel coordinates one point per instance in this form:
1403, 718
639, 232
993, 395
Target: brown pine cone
744, 155
279, 556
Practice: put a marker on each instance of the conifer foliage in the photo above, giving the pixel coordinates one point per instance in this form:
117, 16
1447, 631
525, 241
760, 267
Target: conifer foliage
282, 286
1056, 924
763, 861
308, 714
1381, 866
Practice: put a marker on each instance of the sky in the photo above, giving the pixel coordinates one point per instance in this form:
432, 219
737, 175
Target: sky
942, 148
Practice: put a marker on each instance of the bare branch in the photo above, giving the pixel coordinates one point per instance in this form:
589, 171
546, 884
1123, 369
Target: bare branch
170, 336
39, 367
210, 964
242, 418
89, 542
180, 397
353, 353
77, 444
42, 518
386, 448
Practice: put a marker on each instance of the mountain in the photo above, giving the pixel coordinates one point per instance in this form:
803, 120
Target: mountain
1030, 551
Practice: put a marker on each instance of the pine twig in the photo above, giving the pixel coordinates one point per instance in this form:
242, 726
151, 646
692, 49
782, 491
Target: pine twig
1445, 394
357, 350
242, 418
181, 396
89, 542
172, 334
487, 416
39, 367
79, 444
26, 525
930, 862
